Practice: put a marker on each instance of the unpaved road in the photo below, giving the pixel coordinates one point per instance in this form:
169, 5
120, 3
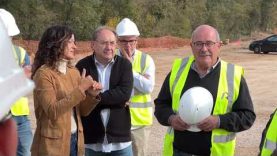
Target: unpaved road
260, 74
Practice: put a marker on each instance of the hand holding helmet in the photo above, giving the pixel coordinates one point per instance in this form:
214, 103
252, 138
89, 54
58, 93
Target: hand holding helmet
177, 123
196, 105
209, 123
13, 84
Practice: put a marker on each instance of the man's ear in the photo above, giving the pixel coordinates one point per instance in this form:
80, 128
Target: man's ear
191, 44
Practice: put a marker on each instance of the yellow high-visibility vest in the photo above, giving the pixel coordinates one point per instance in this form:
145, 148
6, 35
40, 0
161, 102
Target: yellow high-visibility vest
20, 107
141, 109
270, 142
222, 141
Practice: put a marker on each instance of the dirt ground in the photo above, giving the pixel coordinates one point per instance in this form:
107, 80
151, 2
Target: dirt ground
260, 74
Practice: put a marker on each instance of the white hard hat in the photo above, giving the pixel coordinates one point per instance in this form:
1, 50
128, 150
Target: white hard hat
195, 105
13, 82
9, 22
126, 27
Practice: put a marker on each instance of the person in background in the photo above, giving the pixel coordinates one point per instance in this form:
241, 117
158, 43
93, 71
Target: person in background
144, 80
232, 109
268, 145
20, 110
107, 128
61, 95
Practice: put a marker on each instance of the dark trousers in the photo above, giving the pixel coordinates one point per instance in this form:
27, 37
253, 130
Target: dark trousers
177, 152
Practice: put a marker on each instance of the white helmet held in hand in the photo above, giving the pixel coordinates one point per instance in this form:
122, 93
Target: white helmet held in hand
126, 27
13, 82
195, 105
9, 22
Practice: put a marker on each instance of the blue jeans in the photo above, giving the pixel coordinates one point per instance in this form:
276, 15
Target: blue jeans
25, 136
73, 144
124, 152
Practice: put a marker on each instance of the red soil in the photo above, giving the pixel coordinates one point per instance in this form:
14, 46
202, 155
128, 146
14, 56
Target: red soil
84, 46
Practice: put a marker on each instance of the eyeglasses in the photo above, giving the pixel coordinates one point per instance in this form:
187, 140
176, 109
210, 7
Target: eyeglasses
125, 42
200, 44
105, 43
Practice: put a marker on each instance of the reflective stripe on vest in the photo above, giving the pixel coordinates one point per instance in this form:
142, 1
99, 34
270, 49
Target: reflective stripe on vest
270, 143
180, 69
223, 142
141, 109
20, 107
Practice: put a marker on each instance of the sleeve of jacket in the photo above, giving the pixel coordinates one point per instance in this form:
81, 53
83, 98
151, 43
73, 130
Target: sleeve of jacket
242, 115
122, 92
46, 92
87, 105
163, 103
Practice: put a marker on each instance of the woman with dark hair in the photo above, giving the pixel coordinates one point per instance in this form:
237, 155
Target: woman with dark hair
61, 95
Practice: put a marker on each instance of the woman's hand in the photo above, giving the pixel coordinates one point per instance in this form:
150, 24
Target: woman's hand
86, 82
95, 89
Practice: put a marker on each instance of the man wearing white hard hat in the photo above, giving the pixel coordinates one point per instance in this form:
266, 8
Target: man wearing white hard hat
144, 80
20, 109
186, 90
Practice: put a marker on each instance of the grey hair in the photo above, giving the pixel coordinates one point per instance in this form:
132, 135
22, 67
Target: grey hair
201, 26
99, 29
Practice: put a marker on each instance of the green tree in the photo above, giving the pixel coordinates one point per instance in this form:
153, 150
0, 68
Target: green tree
268, 14
30, 17
233, 18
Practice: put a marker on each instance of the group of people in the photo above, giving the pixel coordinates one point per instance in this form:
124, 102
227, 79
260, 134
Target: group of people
102, 105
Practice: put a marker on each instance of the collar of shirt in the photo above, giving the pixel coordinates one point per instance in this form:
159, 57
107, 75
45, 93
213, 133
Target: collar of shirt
62, 65
193, 67
104, 72
99, 64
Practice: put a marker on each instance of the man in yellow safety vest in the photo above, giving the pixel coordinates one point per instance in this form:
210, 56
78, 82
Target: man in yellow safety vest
144, 80
232, 108
20, 109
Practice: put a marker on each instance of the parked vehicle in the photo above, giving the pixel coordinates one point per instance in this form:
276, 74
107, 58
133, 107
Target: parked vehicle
266, 45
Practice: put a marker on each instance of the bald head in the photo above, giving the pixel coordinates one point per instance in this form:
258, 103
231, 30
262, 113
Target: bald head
205, 44
100, 29
205, 29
